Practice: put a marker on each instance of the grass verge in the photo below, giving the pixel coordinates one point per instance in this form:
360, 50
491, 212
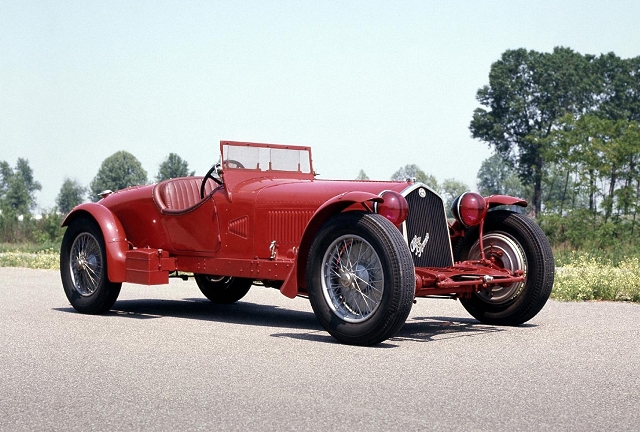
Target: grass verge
30, 256
586, 277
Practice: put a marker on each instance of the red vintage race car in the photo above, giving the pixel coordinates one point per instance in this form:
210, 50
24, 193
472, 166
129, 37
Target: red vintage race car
362, 251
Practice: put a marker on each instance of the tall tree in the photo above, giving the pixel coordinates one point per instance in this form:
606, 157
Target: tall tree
116, 172
173, 167
527, 95
71, 194
17, 188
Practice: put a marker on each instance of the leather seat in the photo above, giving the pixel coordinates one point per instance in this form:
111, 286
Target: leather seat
180, 195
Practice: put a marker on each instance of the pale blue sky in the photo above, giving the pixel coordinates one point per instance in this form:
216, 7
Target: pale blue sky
370, 85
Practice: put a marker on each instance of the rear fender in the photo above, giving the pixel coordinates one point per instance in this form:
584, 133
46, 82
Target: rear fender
337, 204
115, 239
498, 200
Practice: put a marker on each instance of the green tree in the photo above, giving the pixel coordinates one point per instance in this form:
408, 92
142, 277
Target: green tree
450, 189
5, 174
118, 171
619, 87
497, 177
413, 171
527, 96
173, 167
71, 194
17, 188
362, 175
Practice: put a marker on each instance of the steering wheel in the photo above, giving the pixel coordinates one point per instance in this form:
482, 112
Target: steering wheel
207, 176
232, 163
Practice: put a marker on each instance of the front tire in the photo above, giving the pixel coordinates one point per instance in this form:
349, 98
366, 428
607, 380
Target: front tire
83, 269
360, 278
515, 242
223, 289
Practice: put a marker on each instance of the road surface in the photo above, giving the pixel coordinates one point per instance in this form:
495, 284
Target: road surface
167, 359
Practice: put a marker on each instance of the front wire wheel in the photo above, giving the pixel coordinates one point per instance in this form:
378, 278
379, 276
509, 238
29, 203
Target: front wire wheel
83, 269
352, 278
515, 242
360, 278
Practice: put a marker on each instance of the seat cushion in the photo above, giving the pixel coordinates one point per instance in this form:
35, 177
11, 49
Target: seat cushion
180, 194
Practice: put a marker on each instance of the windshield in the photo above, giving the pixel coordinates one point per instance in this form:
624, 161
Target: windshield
266, 157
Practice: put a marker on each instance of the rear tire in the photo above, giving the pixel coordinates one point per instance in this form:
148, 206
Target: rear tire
83, 268
515, 242
360, 278
223, 289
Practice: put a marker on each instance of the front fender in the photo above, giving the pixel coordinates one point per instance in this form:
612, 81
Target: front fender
115, 239
332, 206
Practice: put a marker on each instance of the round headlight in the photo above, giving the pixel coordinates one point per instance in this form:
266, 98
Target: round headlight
469, 208
393, 206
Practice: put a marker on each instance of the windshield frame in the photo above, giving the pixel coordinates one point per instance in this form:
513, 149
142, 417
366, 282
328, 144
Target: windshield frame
265, 158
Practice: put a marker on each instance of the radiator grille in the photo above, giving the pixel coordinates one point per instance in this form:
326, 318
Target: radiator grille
426, 229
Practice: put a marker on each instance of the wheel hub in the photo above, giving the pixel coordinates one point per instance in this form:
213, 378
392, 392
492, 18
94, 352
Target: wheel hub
84, 263
81, 264
346, 279
358, 278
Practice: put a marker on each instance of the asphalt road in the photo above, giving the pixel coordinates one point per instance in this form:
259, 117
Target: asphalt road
167, 359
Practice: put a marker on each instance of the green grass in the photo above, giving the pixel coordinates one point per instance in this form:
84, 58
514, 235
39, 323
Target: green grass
36, 256
583, 276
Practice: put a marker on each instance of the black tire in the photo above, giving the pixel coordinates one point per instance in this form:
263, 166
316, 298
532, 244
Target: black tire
368, 296
516, 242
223, 289
83, 268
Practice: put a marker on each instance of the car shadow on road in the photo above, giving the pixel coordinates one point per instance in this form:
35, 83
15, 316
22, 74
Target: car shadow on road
416, 329
436, 328
198, 309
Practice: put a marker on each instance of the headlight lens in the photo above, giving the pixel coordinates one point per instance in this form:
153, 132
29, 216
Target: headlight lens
394, 207
469, 208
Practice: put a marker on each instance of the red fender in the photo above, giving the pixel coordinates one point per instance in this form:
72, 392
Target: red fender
115, 239
335, 205
497, 200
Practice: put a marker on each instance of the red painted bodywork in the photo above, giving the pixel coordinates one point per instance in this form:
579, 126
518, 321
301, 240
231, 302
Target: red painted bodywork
259, 224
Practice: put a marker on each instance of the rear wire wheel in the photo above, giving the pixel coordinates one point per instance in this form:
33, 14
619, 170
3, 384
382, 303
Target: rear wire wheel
515, 242
223, 289
83, 268
360, 278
